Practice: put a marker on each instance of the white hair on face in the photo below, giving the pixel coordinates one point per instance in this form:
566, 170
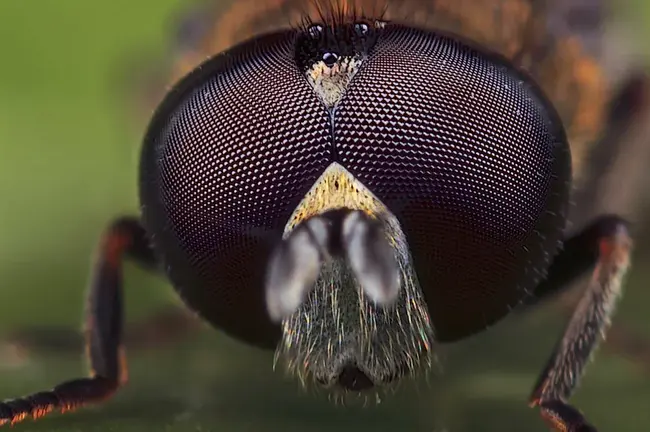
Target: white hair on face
294, 268
371, 259
339, 322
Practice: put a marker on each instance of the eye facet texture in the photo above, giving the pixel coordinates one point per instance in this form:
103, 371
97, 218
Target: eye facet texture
230, 155
472, 161
464, 151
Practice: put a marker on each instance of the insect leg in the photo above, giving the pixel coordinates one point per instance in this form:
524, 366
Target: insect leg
125, 237
606, 244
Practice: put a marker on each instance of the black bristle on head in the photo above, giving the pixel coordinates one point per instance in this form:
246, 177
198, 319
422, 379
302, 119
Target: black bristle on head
333, 30
336, 13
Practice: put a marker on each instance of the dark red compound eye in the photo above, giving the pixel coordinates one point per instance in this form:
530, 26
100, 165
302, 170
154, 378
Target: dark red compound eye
462, 148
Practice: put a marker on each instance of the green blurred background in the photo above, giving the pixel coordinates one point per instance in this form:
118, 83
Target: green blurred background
68, 159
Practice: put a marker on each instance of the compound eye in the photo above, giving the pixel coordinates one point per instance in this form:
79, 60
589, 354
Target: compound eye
226, 159
315, 31
472, 159
330, 58
361, 29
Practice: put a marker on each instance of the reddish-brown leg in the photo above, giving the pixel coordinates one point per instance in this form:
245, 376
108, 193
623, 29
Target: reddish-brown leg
605, 245
103, 329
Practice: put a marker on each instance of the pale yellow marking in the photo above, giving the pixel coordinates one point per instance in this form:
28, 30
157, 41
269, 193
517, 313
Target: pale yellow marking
336, 188
330, 83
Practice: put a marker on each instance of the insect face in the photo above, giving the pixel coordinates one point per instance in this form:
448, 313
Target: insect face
438, 152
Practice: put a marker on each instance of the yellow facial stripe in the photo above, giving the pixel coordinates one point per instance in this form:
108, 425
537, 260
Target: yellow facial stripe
336, 188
